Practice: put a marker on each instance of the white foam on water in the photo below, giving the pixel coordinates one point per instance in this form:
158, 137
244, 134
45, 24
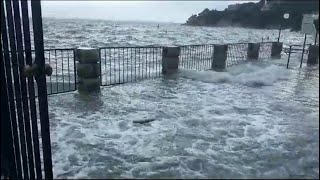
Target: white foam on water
207, 76
263, 76
246, 74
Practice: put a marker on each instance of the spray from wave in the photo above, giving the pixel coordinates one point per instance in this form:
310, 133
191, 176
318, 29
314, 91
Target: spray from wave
247, 74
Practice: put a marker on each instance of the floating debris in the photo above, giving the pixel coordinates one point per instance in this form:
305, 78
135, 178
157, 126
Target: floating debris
143, 121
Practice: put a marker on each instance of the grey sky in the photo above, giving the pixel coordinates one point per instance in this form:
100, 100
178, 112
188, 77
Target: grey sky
161, 11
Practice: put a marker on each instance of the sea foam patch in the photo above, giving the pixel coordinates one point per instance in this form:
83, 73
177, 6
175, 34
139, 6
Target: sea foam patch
247, 74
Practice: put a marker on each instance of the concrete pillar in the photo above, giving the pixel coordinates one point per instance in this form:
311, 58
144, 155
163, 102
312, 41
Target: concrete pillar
219, 57
170, 59
276, 50
88, 70
253, 51
313, 56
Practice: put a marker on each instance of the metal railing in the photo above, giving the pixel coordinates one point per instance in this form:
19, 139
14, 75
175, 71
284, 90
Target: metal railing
294, 49
120, 65
265, 50
237, 53
196, 57
129, 64
63, 78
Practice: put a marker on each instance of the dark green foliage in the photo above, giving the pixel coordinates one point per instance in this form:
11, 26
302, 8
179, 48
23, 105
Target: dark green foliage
250, 15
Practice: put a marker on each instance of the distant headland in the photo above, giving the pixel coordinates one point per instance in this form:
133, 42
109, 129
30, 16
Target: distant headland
265, 14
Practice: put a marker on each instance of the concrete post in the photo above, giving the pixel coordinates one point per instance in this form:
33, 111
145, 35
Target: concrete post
276, 50
313, 56
170, 59
253, 51
88, 70
219, 57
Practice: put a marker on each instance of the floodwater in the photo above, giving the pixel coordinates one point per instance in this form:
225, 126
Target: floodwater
258, 120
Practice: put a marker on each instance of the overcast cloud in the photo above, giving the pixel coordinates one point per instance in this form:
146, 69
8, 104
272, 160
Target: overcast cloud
160, 11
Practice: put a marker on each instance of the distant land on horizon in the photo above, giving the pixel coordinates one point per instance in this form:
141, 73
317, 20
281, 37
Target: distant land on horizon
265, 14
108, 20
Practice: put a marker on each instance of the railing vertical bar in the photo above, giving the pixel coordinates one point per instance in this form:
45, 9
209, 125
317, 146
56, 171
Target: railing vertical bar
135, 64
160, 60
138, 64
188, 56
202, 56
104, 75
131, 64
289, 57
105, 67
141, 62
147, 69
122, 65
50, 76
74, 69
153, 62
194, 57
69, 70
118, 53
198, 57
127, 64
57, 85
157, 52
114, 67
62, 71
110, 66
207, 56
182, 57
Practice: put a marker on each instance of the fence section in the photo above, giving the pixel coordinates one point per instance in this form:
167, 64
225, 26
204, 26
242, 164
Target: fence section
237, 53
196, 57
63, 78
265, 50
129, 64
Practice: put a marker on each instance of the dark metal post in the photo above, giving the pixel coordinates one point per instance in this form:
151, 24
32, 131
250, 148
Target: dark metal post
100, 66
304, 44
74, 69
42, 89
289, 57
279, 32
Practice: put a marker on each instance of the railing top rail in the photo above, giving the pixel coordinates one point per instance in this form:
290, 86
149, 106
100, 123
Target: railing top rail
195, 45
114, 47
224, 44
59, 49
297, 45
269, 42
51, 49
